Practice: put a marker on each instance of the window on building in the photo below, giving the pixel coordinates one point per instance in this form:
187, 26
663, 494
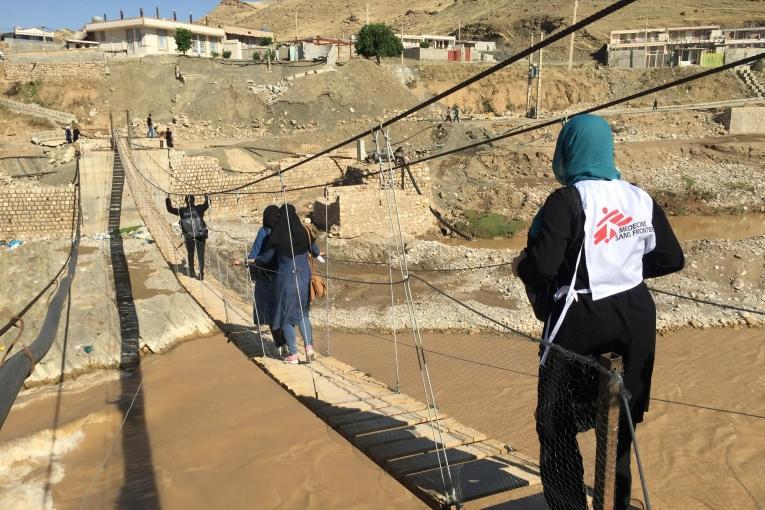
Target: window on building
162, 34
214, 45
198, 44
102, 36
139, 36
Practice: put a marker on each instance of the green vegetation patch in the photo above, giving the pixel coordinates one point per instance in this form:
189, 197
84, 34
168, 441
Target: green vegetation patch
488, 225
26, 92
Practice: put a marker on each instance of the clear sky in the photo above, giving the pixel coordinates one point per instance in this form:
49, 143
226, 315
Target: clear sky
74, 14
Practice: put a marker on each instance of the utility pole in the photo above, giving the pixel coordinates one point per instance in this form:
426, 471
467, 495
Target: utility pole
459, 29
571, 44
296, 28
367, 13
539, 76
528, 78
403, 15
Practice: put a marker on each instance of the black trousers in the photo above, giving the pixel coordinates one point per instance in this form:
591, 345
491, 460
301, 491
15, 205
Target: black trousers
567, 405
197, 243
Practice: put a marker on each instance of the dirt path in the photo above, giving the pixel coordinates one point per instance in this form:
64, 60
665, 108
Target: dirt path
208, 430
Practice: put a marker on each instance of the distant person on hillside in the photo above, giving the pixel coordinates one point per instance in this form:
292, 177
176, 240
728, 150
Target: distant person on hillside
655, 104
75, 133
456, 113
589, 250
161, 136
169, 137
291, 243
68, 134
151, 133
194, 230
264, 278
449, 115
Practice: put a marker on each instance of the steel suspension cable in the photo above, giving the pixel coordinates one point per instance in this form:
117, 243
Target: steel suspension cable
553, 38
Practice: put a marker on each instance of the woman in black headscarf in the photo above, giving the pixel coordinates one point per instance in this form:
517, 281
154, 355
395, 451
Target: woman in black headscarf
264, 277
289, 244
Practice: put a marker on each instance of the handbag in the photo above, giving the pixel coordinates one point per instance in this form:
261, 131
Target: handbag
317, 287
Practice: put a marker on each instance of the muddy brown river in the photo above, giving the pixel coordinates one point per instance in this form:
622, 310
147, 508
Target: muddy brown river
687, 228
209, 430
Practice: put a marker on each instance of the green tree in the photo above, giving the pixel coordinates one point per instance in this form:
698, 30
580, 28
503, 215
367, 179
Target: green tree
378, 40
265, 41
183, 40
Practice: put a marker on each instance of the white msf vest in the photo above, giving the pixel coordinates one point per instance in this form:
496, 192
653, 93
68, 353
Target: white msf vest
618, 231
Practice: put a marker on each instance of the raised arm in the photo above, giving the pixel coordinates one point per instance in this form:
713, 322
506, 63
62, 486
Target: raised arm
258, 244
205, 205
170, 208
668, 256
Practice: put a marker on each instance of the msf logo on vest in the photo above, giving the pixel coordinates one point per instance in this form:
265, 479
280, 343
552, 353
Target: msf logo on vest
615, 226
607, 227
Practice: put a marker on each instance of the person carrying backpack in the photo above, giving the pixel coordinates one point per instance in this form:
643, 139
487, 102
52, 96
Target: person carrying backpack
194, 230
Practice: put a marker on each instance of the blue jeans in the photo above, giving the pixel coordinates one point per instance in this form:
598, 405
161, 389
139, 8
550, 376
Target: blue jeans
306, 332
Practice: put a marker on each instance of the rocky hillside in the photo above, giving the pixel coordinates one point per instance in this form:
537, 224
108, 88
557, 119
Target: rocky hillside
508, 21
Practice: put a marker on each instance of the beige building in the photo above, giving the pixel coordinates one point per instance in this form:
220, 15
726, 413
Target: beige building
153, 36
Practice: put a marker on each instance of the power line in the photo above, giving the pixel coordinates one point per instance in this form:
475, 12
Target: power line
438, 97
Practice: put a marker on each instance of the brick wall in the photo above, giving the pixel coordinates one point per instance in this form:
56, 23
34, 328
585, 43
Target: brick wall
360, 209
29, 212
746, 120
190, 175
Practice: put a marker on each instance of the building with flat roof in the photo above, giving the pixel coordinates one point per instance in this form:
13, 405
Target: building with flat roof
437, 42
707, 46
28, 34
152, 36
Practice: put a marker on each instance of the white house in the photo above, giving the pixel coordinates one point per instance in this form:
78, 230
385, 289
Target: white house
29, 34
153, 36
440, 42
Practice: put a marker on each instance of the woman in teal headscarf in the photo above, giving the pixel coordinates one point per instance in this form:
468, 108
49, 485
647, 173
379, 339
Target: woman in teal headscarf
592, 321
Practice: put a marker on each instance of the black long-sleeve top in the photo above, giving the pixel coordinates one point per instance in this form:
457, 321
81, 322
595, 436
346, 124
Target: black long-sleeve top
185, 212
623, 323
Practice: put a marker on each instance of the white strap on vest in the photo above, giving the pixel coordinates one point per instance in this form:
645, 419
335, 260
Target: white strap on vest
571, 295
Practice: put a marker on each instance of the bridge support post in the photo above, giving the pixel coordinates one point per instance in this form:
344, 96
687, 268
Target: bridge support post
607, 432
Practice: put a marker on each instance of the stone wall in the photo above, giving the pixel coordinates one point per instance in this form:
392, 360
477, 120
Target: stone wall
15, 71
361, 209
54, 65
745, 120
37, 111
30, 212
190, 175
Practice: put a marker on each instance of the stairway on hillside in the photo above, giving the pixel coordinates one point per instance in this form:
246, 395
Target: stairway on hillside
126, 311
745, 74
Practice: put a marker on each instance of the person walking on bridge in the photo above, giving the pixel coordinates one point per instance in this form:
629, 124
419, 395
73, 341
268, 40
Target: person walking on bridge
194, 230
291, 242
589, 250
264, 278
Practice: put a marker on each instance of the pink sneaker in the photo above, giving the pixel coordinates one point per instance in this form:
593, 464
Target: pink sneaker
292, 359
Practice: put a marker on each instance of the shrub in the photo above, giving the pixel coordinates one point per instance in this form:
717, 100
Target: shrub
378, 40
424, 44
226, 54
256, 56
265, 41
183, 40
487, 225
215, 54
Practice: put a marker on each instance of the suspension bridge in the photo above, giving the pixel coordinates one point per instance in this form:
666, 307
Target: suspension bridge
442, 461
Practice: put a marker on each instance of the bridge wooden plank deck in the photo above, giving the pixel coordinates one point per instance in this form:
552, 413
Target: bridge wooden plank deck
394, 430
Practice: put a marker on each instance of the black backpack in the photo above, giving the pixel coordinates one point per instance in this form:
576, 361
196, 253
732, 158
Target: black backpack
192, 224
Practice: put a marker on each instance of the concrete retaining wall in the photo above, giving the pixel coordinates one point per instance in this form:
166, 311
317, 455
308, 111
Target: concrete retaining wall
37, 111
30, 212
745, 120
